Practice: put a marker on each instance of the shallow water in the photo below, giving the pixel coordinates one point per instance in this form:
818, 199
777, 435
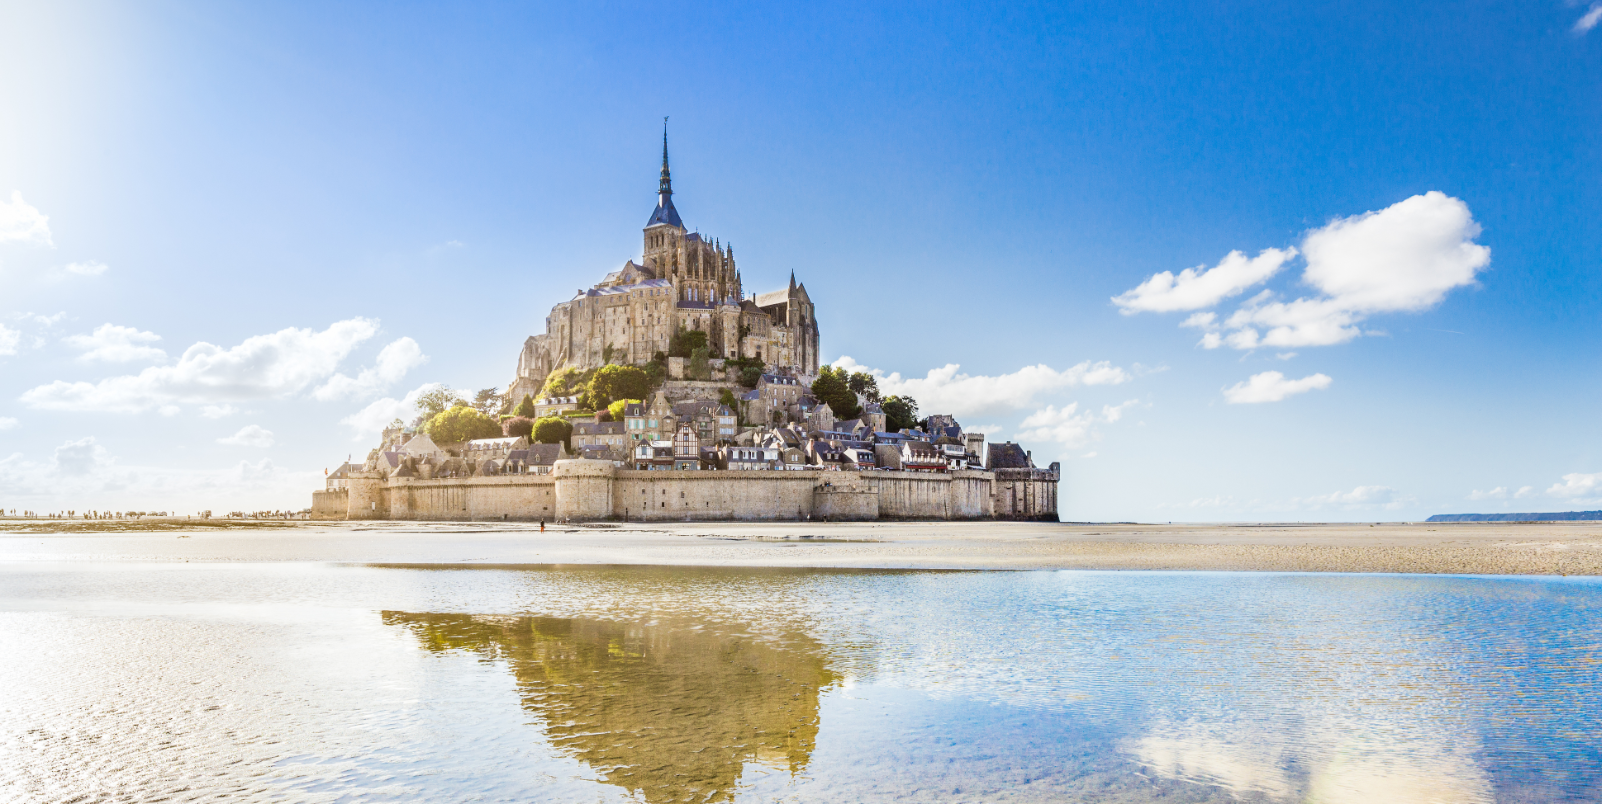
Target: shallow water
314, 682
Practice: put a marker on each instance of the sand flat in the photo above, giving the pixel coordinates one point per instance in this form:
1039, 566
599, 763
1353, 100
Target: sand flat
1552, 548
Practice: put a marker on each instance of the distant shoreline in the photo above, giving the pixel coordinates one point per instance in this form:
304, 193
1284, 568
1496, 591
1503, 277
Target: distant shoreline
1476, 548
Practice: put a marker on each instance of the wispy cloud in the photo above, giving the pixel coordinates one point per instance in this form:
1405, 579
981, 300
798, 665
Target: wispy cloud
1195, 288
1272, 386
261, 367
948, 390
111, 343
251, 435
394, 361
1588, 21
23, 224
367, 422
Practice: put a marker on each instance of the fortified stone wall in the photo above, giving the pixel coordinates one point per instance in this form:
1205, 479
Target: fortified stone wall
679, 495
330, 504
922, 495
1028, 494
593, 490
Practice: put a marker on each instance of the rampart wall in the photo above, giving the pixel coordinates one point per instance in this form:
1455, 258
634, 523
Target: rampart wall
580, 490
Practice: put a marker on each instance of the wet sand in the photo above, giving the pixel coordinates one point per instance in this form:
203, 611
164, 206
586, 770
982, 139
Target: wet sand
1550, 548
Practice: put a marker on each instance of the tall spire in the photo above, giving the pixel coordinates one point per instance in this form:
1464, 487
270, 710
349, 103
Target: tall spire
664, 186
665, 212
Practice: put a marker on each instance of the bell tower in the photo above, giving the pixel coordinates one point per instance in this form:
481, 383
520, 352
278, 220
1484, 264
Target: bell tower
664, 230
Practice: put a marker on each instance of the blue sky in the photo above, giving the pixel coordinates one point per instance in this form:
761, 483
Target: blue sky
303, 188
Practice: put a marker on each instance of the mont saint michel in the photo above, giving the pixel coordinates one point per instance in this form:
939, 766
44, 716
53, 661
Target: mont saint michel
944, 403
666, 391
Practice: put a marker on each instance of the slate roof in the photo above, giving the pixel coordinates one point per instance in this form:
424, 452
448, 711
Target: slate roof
665, 213
1007, 455
773, 297
598, 428
544, 454
618, 289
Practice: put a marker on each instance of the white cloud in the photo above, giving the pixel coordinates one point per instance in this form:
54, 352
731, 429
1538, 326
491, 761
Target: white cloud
1068, 425
83, 470
1525, 491
1499, 493
114, 344
1272, 386
1091, 454
9, 339
22, 223
1064, 425
81, 457
85, 268
945, 390
1577, 484
1361, 495
261, 367
367, 422
1196, 288
1112, 413
45, 320
1589, 21
6, 423
394, 361
1404, 258
251, 435
218, 411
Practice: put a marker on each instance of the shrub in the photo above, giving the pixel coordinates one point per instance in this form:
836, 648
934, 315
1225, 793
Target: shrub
616, 410
566, 381
553, 430
518, 426
610, 383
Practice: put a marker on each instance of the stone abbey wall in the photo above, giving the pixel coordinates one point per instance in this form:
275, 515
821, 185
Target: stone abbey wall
580, 490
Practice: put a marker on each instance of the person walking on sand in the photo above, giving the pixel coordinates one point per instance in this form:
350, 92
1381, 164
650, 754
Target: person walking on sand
542, 526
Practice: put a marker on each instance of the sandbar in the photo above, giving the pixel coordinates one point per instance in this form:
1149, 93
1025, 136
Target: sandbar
1498, 548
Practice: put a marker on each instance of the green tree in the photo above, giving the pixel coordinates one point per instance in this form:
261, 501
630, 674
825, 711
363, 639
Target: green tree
526, 408
686, 341
487, 401
566, 381
901, 412
696, 367
617, 382
831, 389
553, 430
437, 400
462, 423
863, 384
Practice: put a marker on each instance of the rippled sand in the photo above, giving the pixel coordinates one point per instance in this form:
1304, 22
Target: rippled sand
1560, 548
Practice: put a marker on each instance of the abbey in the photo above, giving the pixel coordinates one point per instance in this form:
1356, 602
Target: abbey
683, 281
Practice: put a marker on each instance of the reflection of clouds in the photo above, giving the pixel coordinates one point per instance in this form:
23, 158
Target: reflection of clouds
1341, 765
1197, 753
1419, 771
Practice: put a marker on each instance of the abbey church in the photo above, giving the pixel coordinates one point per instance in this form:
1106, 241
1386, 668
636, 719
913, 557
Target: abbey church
683, 281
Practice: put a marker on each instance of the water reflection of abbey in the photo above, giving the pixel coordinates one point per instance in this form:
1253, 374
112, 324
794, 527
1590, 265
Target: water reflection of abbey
671, 714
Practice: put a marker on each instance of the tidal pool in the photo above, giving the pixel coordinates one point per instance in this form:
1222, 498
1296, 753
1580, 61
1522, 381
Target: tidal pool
131, 681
